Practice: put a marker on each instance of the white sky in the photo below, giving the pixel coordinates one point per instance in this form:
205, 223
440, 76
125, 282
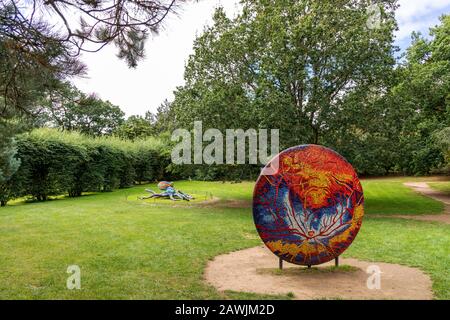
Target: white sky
144, 88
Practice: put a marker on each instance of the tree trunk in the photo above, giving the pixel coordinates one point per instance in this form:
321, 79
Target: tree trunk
316, 136
74, 193
3, 203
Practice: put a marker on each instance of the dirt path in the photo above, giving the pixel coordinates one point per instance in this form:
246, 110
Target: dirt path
424, 188
254, 270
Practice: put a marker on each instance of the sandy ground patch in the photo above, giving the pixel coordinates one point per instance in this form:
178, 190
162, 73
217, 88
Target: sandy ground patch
254, 270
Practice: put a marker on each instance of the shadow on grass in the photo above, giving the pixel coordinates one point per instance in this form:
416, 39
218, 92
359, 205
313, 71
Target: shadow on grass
305, 270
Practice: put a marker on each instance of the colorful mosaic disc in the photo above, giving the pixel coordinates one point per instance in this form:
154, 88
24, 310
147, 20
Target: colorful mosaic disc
309, 208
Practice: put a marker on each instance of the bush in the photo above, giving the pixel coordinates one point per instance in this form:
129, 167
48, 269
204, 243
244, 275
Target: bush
57, 162
9, 164
48, 163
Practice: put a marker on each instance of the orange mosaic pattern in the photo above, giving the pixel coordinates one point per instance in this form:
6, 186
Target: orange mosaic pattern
311, 208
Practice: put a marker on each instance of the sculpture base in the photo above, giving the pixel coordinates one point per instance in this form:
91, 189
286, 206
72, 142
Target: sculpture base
280, 263
256, 270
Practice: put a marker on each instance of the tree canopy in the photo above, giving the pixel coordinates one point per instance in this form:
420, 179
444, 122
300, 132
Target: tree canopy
135, 127
36, 53
314, 69
70, 109
322, 74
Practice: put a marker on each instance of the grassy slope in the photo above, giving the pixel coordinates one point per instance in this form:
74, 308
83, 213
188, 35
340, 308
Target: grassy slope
441, 186
128, 249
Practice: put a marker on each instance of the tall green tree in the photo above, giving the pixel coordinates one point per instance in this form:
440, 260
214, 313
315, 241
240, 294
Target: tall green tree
423, 93
32, 61
288, 63
135, 127
306, 67
70, 109
164, 119
35, 56
9, 163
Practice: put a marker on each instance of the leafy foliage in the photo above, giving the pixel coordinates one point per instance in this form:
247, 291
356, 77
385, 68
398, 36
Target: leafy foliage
88, 26
316, 71
8, 162
33, 61
301, 66
70, 109
423, 93
54, 162
135, 127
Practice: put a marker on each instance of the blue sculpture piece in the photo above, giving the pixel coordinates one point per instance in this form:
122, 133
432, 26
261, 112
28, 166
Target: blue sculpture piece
168, 192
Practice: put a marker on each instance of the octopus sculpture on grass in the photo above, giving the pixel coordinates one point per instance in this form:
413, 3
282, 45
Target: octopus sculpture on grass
310, 209
169, 192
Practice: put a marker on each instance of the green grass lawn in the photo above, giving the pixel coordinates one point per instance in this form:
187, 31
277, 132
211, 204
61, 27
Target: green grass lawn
390, 196
130, 249
443, 186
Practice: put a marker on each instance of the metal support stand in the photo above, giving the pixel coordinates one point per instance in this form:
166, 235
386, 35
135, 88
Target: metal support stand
280, 263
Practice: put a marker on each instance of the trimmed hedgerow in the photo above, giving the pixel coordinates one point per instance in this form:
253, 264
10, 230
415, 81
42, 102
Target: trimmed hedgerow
54, 162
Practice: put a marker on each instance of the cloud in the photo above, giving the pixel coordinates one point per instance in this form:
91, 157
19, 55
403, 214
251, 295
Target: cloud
419, 15
413, 9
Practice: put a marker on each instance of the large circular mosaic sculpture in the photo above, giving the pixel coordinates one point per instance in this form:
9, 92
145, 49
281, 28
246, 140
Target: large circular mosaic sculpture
309, 207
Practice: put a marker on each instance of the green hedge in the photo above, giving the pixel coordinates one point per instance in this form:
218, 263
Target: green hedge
57, 162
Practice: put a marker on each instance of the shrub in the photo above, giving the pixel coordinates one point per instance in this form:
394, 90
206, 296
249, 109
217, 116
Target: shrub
57, 162
48, 163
